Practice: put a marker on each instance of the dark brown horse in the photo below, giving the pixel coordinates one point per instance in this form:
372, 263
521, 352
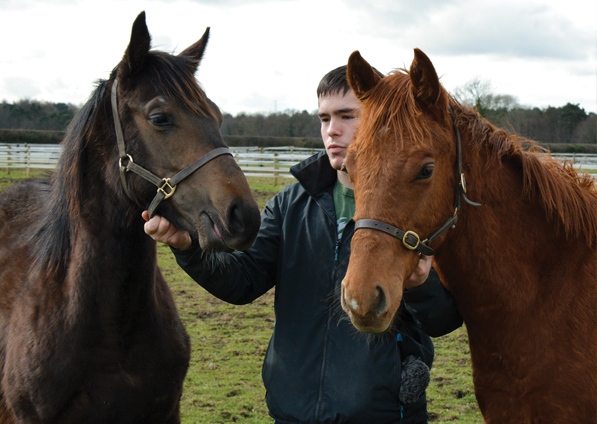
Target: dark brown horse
522, 265
89, 332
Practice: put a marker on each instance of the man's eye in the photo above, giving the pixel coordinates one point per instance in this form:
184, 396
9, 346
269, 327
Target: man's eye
426, 171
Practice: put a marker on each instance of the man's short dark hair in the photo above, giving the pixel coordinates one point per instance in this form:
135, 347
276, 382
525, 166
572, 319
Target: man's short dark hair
335, 82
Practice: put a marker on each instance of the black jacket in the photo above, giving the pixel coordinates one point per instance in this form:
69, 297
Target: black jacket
318, 368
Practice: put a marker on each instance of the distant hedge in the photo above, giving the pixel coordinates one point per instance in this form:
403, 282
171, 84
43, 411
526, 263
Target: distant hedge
31, 136
54, 137
570, 148
239, 140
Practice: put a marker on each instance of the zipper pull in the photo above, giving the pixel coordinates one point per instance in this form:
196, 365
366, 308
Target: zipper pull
337, 250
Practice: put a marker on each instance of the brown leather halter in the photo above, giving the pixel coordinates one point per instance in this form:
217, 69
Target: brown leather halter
410, 239
166, 186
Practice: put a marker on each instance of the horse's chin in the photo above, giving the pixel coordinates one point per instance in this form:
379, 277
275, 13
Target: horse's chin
377, 326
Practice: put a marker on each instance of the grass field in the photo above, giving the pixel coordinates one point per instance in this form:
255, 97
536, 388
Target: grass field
223, 384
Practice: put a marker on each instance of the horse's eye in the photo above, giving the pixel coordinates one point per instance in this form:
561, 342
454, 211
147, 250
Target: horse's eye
426, 171
160, 120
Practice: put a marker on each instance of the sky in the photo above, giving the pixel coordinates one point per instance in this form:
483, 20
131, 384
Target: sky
268, 55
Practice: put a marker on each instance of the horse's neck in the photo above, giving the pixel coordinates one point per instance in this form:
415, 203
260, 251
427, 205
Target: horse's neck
109, 254
497, 257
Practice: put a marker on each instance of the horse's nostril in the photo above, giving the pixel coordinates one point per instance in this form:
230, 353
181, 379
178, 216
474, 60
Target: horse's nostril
235, 218
381, 301
243, 222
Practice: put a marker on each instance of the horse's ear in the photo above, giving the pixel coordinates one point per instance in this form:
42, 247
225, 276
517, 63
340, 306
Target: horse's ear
195, 51
426, 87
361, 76
138, 47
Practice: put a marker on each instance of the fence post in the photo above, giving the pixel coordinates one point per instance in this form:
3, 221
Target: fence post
28, 159
8, 158
275, 169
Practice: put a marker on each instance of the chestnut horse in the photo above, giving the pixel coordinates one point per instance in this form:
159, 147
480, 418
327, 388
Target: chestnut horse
89, 331
520, 262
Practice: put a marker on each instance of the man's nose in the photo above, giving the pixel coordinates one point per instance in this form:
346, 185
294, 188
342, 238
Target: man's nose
334, 128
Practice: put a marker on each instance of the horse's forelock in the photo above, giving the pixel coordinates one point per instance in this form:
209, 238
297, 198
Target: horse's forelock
175, 75
391, 107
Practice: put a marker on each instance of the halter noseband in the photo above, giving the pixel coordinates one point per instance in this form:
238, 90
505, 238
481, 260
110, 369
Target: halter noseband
166, 186
410, 239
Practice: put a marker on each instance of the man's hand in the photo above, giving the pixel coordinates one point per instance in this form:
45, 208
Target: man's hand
421, 273
160, 229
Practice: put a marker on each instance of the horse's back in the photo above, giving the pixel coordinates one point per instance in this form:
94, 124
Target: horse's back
21, 206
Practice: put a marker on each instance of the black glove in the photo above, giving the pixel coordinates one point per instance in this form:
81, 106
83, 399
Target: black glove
415, 378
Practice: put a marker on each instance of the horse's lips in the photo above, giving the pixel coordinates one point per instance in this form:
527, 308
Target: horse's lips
217, 231
210, 237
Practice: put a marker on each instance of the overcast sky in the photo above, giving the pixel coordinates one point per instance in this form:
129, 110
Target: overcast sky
269, 55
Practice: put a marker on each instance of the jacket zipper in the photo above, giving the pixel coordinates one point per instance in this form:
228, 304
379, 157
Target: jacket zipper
338, 242
318, 410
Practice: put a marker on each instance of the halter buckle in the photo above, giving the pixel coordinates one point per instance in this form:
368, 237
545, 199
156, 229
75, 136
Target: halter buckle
130, 158
167, 185
410, 246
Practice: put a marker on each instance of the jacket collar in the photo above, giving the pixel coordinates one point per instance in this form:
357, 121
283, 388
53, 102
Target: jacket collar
315, 173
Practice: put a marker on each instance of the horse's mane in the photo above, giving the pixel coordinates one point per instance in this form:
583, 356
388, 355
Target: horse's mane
53, 237
568, 198
174, 75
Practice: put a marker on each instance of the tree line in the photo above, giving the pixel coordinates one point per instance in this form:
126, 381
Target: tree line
35, 115
569, 124
566, 124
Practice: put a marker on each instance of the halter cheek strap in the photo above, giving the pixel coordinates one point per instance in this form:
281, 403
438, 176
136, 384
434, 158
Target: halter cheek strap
165, 186
410, 239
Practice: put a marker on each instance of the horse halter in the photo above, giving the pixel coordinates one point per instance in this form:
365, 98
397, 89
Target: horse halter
166, 186
410, 239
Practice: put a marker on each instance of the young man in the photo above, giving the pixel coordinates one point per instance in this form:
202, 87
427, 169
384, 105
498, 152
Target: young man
318, 368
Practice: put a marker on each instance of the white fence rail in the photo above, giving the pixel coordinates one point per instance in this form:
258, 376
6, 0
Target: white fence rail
254, 161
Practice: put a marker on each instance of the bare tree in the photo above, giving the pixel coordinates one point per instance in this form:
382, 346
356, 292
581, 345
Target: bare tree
478, 93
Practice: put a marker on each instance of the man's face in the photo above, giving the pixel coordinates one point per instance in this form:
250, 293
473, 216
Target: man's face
339, 116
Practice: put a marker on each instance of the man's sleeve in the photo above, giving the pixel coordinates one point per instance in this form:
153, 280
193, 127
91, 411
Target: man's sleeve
238, 277
433, 306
